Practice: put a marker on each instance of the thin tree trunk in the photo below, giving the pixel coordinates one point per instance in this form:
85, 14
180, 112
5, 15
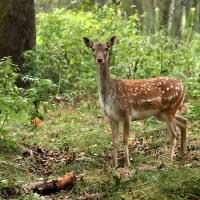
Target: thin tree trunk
196, 5
149, 20
164, 11
174, 25
127, 6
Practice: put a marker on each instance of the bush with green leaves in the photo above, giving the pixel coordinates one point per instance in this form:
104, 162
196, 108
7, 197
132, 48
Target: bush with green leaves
39, 96
11, 101
61, 56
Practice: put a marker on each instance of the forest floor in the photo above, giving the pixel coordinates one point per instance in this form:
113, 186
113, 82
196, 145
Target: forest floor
78, 138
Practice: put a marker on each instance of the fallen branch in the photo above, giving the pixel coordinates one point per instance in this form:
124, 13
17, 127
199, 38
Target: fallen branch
45, 187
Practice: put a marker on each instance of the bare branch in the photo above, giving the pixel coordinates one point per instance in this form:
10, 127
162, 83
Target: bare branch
173, 11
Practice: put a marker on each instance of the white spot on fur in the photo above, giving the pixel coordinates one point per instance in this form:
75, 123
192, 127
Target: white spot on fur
150, 100
170, 98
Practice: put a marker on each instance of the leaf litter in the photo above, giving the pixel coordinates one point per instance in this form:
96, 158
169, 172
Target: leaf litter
44, 160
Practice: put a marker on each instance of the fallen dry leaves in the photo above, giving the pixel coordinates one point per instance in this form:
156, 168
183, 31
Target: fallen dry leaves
36, 122
108, 132
44, 160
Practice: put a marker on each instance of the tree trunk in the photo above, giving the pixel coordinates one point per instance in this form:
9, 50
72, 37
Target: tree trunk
196, 6
138, 7
164, 11
17, 30
127, 7
149, 20
174, 25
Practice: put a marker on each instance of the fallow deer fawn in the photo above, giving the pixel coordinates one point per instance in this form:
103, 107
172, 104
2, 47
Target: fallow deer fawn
124, 100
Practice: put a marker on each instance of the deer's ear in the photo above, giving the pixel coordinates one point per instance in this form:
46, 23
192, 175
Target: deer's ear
112, 41
88, 42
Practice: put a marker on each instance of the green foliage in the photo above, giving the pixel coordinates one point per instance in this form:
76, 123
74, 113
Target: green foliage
195, 43
14, 100
11, 101
61, 56
194, 110
38, 94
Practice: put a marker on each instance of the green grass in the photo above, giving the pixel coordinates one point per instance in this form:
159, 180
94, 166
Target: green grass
84, 134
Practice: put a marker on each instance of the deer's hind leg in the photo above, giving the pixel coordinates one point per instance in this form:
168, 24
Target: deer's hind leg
182, 123
170, 122
173, 131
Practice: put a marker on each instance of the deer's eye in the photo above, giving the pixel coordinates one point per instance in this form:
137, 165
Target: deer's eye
92, 49
106, 49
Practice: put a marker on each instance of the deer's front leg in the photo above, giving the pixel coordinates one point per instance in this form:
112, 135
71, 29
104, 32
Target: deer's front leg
115, 134
126, 129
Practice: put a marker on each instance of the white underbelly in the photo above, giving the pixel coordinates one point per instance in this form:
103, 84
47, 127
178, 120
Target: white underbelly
139, 115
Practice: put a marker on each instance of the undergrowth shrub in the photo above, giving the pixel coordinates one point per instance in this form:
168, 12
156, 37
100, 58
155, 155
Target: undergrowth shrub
14, 100
11, 101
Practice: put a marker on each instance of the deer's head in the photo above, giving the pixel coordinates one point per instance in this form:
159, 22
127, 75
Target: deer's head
100, 49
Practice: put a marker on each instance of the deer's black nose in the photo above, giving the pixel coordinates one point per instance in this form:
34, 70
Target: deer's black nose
99, 60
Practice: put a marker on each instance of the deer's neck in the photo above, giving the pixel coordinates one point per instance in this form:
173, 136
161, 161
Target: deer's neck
104, 79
